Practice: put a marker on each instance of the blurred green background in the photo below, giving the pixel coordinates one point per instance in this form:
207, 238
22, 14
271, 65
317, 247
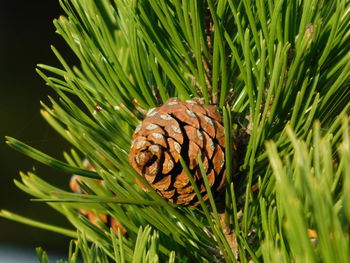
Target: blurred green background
26, 33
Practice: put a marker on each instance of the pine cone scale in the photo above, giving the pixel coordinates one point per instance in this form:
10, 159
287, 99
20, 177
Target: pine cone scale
163, 184
149, 178
218, 159
150, 127
194, 107
207, 124
163, 120
175, 133
185, 198
212, 112
168, 163
174, 149
181, 180
158, 138
194, 135
185, 190
220, 134
169, 194
193, 152
211, 177
208, 146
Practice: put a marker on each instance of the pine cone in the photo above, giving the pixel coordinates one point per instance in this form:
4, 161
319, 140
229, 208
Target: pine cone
175, 129
94, 217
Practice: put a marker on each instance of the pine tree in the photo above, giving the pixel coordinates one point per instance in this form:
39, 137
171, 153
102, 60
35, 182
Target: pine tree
279, 74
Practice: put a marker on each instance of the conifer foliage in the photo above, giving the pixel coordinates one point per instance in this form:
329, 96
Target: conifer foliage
279, 74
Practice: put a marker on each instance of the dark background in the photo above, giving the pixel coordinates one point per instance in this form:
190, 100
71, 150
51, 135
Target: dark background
26, 33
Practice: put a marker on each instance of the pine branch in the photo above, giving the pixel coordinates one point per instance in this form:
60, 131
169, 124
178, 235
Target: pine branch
278, 71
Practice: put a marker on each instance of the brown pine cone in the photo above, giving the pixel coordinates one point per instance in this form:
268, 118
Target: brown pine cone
94, 217
180, 128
